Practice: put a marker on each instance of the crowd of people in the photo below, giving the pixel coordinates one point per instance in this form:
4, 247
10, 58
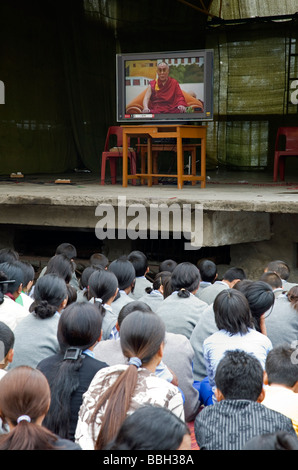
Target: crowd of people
117, 357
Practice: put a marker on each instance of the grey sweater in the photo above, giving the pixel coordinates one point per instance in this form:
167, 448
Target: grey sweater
181, 315
35, 339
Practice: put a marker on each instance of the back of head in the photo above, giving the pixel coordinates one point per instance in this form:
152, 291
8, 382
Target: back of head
185, 279
141, 335
139, 262
167, 265
232, 312
124, 271
272, 279
28, 272
150, 428
280, 267
79, 326
208, 270
86, 274
103, 285
261, 298
239, 376
62, 266
66, 249
282, 366
99, 259
49, 293
14, 273
135, 305
8, 255
232, 274
24, 398
7, 339
292, 296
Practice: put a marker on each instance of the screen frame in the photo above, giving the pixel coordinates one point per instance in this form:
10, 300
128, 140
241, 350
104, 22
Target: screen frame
206, 115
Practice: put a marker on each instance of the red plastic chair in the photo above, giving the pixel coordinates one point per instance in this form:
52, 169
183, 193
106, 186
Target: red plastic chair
289, 149
115, 152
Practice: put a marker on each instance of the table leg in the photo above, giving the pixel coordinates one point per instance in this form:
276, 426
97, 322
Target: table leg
149, 156
193, 164
125, 161
179, 162
203, 162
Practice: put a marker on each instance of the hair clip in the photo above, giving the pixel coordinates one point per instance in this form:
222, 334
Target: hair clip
72, 354
11, 281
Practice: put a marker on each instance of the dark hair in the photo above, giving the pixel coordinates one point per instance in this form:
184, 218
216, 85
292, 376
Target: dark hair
260, 298
79, 327
150, 428
158, 281
71, 294
239, 376
135, 305
28, 272
61, 265
279, 267
139, 262
13, 272
185, 279
281, 367
141, 336
86, 274
98, 259
208, 270
280, 440
292, 296
272, 279
103, 285
232, 312
7, 338
124, 271
25, 391
234, 273
3, 286
66, 249
167, 265
8, 255
49, 292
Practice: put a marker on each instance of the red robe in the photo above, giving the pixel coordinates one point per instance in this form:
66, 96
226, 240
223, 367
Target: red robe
167, 98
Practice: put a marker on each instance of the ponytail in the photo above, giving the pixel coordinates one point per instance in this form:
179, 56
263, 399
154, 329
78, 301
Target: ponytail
183, 293
142, 333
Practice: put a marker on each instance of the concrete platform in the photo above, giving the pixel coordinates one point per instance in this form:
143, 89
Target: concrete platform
244, 210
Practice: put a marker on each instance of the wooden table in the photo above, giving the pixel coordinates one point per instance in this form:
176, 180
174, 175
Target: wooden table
178, 132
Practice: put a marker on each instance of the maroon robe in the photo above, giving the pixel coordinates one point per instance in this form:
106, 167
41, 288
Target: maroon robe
167, 98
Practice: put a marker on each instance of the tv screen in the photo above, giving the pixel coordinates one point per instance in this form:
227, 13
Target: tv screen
165, 86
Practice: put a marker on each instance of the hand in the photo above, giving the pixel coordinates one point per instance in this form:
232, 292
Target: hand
182, 109
146, 110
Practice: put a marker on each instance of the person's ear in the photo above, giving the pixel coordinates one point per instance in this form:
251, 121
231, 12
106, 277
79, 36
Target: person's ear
265, 378
295, 387
218, 395
261, 396
9, 356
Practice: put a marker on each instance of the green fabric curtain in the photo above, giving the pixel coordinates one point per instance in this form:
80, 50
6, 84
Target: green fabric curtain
59, 76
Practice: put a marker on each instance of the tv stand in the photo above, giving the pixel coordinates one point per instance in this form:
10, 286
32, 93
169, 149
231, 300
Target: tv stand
178, 132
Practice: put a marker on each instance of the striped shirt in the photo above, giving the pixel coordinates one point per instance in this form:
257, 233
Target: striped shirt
229, 424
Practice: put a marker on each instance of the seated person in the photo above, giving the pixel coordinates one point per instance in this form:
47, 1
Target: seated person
238, 414
281, 379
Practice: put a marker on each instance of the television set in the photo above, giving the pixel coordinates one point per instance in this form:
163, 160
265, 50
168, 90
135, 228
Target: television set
186, 97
